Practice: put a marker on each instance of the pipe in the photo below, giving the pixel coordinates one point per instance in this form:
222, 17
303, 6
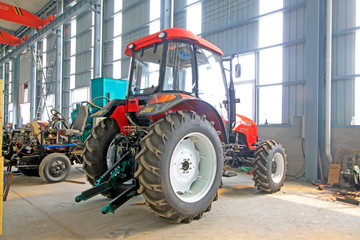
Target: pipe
328, 81
172, 13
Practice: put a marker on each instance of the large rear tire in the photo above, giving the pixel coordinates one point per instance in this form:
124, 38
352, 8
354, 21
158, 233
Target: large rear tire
269, 167
180, 166
96, 151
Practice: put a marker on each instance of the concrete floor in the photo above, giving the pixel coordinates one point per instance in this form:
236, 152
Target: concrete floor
35, 210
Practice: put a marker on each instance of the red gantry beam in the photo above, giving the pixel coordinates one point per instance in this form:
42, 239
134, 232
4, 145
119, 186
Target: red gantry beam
23, 17
7, 38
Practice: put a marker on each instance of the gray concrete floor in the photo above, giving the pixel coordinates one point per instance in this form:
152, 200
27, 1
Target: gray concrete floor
35, 210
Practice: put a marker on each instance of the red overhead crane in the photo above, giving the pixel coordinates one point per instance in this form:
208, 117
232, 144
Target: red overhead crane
23, 17
7, 38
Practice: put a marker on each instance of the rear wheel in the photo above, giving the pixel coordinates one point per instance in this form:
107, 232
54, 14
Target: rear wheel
99, 147
55, 167
269, 167
180, 166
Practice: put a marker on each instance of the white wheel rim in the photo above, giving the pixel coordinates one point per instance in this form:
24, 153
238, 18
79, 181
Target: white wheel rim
111, 154
277, 167
193, 167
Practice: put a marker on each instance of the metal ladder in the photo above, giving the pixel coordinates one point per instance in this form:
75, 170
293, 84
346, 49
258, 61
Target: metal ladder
45, 84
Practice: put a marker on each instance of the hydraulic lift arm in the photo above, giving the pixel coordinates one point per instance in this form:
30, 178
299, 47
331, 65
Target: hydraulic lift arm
23, 17
7, 38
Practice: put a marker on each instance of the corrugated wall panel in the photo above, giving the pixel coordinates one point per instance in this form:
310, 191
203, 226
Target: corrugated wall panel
219, 14
133, 18
180, 14
343, 62
126, 40
83, 21
83, 80
109, 7
136, 16
108, 52
293, 62
84, 43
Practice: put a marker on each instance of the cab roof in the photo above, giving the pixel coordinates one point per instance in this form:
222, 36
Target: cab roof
172, 33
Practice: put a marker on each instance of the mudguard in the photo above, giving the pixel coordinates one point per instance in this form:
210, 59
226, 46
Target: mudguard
248, 128
164, 103
109, 108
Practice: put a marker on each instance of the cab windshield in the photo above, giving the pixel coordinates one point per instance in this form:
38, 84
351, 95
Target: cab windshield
146, 65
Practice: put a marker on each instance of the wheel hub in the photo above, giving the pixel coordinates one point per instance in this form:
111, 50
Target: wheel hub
57, 168
186, 165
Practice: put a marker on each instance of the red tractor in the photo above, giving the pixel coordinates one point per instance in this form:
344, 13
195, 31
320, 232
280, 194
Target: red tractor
169, 139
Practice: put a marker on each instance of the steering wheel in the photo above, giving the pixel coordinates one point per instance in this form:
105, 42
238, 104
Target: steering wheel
57, 115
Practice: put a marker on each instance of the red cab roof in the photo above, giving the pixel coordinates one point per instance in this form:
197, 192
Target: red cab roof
172, 33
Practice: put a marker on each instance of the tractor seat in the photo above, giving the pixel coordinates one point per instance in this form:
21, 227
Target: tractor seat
78, 125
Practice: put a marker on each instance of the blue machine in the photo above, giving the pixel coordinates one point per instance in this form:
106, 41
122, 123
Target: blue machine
107, 87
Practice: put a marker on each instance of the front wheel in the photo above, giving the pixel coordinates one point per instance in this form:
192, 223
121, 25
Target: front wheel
180, 166
269, 167
55, 167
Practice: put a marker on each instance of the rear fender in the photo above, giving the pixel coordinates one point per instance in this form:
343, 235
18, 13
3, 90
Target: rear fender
109, 108
157, 110
115, 109
247, 127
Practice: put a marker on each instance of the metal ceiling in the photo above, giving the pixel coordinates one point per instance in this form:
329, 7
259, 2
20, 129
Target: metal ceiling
32, 6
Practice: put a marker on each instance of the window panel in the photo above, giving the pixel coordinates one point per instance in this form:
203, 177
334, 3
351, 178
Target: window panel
154, 27
117, 5
245, 92
155, 6
117, 69
270, 65
117, 48
117, 24
270, 105
193, 17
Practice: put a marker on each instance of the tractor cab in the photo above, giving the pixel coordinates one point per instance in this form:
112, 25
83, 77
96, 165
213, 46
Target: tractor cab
174, 66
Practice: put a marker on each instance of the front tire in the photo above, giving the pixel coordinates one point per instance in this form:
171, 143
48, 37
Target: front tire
180, 166
55, 167
269, 167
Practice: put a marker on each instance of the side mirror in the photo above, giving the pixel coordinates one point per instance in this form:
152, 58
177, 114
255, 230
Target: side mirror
237, 70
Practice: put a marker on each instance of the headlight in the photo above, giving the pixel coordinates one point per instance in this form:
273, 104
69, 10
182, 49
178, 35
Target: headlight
162, 35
